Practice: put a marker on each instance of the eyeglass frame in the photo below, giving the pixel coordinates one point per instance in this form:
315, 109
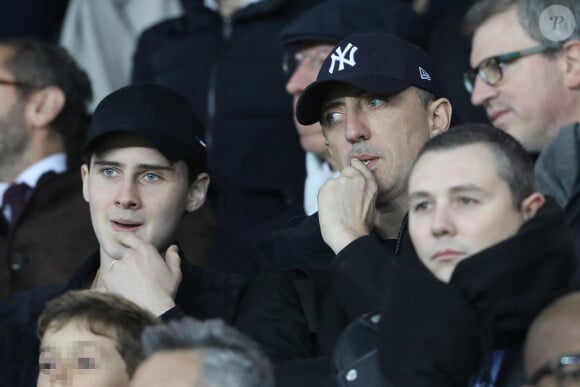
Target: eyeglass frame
291, 55
553, 367
500, 61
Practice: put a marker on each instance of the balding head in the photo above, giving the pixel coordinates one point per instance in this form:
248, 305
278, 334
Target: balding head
554, 333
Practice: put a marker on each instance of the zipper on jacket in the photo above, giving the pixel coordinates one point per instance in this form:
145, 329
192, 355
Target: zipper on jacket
227, 28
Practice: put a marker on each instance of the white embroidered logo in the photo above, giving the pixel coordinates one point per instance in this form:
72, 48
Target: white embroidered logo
424, 74
340, 56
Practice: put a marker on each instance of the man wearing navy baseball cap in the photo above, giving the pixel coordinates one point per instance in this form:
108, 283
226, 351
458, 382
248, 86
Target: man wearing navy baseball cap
378, 100
144, 170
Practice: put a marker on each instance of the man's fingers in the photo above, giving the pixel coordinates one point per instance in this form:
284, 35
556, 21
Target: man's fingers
173, 260
362, 168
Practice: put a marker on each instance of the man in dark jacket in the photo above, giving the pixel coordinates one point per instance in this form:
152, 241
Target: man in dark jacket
144, 169
44, 225
494, 252
376, 113
225, 57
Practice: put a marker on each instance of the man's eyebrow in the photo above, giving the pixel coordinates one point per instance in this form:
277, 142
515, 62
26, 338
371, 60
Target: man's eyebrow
157, 167
467, 188
419, 195
455, 189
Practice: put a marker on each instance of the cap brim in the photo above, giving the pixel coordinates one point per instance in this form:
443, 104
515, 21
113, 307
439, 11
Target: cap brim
309, 106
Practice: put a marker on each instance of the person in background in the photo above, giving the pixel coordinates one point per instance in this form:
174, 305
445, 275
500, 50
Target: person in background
201, 354
90, 339
552, 350
224, 56
525, 58
44, 223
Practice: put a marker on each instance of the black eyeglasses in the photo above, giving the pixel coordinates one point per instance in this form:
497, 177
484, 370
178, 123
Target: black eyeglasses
490, 69
565, 369
11, 82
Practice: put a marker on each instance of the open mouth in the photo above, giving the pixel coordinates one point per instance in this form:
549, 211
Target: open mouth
123, 225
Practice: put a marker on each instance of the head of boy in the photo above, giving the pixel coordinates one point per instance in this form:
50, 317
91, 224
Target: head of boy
144, 166
90, 339
470, 188
378, 100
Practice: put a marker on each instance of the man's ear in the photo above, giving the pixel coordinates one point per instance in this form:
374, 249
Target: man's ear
85, 175
571, 58
197, 192
531, 205
43, 106
439, 116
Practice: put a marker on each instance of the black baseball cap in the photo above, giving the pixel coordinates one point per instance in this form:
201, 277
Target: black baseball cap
155, 113
379, 63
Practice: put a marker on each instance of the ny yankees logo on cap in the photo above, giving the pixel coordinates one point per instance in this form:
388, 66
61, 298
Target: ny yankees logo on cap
340, 56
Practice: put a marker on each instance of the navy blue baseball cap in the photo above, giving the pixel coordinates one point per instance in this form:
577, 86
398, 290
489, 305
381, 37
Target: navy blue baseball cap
381, 64
155, 113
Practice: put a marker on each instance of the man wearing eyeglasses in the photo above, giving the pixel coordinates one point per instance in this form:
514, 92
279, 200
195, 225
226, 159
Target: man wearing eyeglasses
526, 74
44, 222
552, 350
308, 40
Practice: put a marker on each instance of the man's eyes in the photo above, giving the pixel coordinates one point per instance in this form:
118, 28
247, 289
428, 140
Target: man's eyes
330, 118
375, 101
108, 171
150, 176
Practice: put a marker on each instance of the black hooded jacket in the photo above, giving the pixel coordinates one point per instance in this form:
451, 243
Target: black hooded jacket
435, 334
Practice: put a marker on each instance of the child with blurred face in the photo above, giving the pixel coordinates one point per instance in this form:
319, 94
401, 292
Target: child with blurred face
90, 339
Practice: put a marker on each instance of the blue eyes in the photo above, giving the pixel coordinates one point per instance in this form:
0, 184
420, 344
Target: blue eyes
147, 176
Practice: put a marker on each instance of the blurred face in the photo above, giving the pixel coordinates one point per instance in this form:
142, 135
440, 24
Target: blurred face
529, 100
132, 188
308, 61
74, 356
385, 133
169, 369
456, 210
13, 133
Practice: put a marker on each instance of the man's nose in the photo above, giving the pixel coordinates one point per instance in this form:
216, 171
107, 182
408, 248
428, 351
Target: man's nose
128, 194
356, 127
482, 92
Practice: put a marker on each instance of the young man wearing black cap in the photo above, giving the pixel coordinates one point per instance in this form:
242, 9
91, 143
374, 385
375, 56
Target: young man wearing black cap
377, 99
144, 170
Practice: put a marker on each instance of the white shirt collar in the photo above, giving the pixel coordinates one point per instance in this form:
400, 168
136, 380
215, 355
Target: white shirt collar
53, 163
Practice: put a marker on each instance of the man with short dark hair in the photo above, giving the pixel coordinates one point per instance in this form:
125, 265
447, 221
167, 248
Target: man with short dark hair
377, 99
491, 252
144, 169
